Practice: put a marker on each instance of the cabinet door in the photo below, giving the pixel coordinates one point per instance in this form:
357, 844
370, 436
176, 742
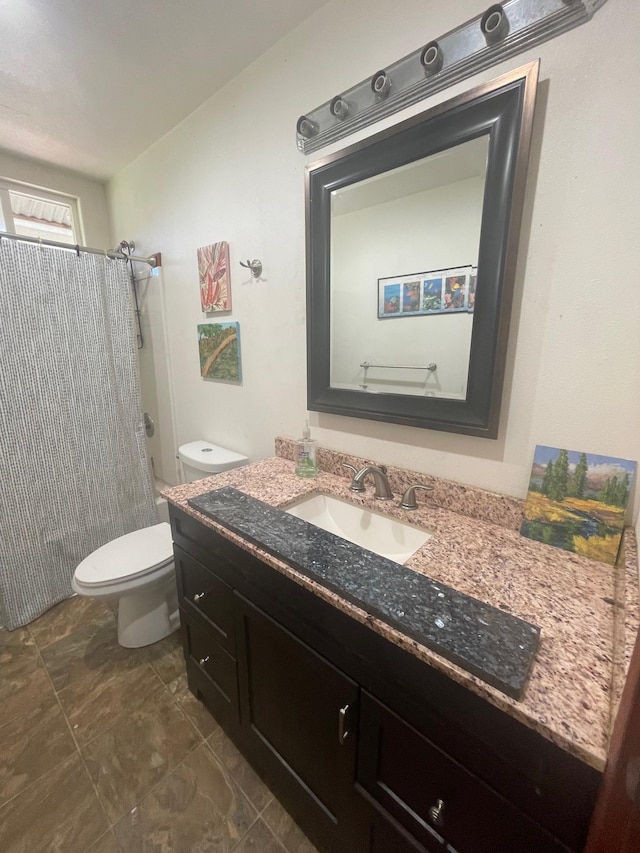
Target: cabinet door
616, 819
298, 716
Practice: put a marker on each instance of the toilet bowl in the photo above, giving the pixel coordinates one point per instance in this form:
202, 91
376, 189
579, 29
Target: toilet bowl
138, 567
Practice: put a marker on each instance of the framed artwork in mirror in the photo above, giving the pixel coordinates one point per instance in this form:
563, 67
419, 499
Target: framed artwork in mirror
423, 293
445, 185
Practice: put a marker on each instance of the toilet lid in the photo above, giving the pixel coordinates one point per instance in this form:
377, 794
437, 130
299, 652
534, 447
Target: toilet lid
128, 556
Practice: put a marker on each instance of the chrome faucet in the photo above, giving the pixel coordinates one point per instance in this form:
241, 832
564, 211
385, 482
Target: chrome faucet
383, 489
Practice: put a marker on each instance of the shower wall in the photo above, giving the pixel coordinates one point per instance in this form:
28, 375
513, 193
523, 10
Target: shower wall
155, 370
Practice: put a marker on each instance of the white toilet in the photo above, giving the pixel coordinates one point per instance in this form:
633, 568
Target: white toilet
138, 567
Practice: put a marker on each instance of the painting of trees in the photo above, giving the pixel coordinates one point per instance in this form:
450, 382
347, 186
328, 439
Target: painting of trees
219, 347
559, 485
616, 491
576, 501
579, 480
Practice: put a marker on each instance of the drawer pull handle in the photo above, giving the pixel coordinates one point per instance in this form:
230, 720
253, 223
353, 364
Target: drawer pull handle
343, 732
435, 813
198, 596
202, 662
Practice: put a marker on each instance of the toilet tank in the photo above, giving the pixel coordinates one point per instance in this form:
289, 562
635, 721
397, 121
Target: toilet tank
202, 459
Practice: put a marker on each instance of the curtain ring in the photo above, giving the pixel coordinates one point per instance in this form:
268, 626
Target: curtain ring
77, 250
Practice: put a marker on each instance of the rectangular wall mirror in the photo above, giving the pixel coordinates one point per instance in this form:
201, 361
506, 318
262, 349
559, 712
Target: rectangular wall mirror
411, 248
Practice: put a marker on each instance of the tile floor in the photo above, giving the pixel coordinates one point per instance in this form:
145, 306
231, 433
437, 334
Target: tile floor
105, 750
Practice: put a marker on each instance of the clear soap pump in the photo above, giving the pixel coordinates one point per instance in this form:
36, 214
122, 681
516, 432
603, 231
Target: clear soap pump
306, 454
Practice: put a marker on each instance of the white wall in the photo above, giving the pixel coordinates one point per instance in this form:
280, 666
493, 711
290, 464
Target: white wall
231, 171
91, 194
431, 230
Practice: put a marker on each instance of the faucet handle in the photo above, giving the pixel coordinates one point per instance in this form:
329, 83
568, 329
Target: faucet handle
355, 485
409, 498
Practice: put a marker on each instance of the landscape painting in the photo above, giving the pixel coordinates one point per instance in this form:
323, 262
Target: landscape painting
577, 501
219, 346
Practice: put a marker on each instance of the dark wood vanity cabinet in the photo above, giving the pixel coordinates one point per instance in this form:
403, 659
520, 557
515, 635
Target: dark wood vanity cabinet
433, 796
300, 714
367, 747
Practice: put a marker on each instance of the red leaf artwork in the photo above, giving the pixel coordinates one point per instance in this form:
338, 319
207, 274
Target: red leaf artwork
215, 282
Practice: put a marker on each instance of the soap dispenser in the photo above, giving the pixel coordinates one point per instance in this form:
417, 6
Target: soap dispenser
306, 454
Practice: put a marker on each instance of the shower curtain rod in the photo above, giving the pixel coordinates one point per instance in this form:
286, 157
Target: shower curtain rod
152, 260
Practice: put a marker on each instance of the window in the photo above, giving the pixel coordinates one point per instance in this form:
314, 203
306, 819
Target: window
33, 212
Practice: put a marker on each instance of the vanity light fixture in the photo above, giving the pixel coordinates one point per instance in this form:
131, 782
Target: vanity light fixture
381, 85
307, 128
339, 107
502, 31
494, 24
432, 58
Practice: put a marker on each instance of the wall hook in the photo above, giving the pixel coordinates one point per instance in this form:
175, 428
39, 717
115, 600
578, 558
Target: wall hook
255, 266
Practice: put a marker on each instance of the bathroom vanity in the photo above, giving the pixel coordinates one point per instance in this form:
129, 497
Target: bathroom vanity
370, 740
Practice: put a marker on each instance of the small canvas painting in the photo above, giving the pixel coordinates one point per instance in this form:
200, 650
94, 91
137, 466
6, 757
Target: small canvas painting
213, 272
577, 501
219, 346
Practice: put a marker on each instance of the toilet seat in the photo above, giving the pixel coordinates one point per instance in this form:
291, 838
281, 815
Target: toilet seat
128, 557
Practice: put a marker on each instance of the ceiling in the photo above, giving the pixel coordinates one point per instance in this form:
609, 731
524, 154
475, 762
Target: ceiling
68, 68
464, 161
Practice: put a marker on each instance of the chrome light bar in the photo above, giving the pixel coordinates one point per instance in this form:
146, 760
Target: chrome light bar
503, 30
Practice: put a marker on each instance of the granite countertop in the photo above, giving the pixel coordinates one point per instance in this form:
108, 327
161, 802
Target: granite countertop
587, 612
496, 646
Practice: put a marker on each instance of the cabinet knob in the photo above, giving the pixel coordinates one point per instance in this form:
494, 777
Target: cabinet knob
202, 662
343, 732
435, 813
198, 596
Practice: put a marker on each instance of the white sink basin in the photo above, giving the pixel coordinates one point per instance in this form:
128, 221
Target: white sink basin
378, 533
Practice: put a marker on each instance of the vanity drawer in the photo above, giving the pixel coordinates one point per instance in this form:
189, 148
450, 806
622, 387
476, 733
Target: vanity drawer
387, 836
206, 545
202, 592
218, 674
426, 791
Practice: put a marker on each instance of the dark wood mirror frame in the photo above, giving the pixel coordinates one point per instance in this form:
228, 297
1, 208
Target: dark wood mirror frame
503, 109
